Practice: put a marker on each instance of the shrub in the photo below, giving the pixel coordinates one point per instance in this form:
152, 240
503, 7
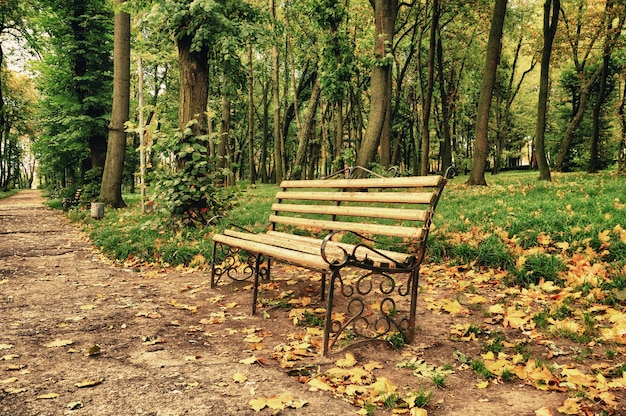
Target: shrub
187, 180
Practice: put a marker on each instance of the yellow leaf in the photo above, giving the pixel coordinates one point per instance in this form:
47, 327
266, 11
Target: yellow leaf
483, 384
497, 309
87, 307
258, 404
89, 383
9, 357
253, 338
454, 308
604, 236
383, 385
489, 356
8, 380
515, 318
570, 406
5, 346
249, 360
275, 403
476, 299
59, 343
372, 365
230, 305
544, 411
316, 383
418, 411
239, 378
348, 361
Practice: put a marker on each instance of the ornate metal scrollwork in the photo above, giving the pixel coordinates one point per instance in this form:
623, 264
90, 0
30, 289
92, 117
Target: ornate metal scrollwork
235, 265
377, 306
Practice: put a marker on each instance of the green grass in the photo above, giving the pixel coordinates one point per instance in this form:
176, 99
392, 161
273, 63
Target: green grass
6, 194
473, 226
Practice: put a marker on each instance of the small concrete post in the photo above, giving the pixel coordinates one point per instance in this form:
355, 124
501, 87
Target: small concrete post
97, 210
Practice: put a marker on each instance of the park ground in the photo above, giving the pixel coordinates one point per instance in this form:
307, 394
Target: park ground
83, 335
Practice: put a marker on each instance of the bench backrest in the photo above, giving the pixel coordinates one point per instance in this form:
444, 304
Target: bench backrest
400, 207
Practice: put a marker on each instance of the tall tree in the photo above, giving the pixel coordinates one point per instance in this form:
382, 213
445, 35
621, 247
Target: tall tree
386, 13
427, 94
494, 44
583, 45
550, 21
75, 83
111, 189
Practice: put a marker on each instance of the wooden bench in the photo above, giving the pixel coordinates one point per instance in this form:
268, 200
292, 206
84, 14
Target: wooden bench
73, 201
366, 236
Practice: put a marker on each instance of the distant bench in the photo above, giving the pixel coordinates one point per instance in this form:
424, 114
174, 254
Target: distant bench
73, 201
366, 236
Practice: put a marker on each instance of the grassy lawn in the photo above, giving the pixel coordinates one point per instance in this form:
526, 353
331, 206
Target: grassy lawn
525, 227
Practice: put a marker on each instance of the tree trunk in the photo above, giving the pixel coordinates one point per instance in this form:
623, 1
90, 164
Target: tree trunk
428, 94
446, 146
305, 133
194, 85
585, 92
621, 155
481, 150
386, 12
111, 189
252, 167
278, 140
597, 109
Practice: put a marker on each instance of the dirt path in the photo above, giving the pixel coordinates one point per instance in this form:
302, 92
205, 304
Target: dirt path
81, 336
55, 289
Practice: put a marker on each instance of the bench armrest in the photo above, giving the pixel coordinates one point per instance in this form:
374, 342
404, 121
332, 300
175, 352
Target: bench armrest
351, 258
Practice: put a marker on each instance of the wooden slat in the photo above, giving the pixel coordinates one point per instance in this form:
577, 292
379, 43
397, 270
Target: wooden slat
353, 211
383, 197
403, 182
290, 256
379, 229
301, 239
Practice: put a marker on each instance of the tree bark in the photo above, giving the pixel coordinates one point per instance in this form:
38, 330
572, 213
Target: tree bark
481, 150
251, 164
194, 85
597, 108
305, 133
386, 12
428, 94
550, 21
278, 143
111, 189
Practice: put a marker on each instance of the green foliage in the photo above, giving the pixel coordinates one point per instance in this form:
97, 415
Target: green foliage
478, 366
396, 340
187, 187
537, 267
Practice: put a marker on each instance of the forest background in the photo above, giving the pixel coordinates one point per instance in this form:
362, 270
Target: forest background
264, 91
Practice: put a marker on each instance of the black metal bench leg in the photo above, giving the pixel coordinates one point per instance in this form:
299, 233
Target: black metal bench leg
324, 276
414, 281
328, 321
255, 289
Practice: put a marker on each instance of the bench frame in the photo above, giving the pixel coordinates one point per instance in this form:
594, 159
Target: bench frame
391, 275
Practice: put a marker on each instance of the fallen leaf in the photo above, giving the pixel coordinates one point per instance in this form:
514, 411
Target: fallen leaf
249, 360
5, 346
239, 378
482, 384
74, 405
316, 383
570, 406
258, 404
348, 361
87, 307
544, 411
89, 383
59, 343
418, 411
16, 391
9, 357
8, 380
